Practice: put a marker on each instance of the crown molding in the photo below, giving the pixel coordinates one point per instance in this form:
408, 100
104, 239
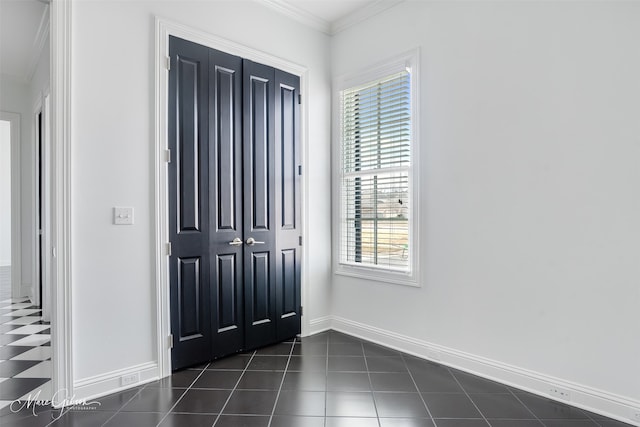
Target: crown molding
38, 45
286, 8
298, 14
362, 14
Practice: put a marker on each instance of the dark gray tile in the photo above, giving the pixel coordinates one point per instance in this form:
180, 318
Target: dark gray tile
436, 381
317, 338
180, 379
501, 406
137, 419
268, 363
450, 406
375, 350
153, 400
386, 364
15, 388
82, 419
218, 379
612, 423
549, 409
392, 382
295, 421
417, 365
114, 402
339, 337
202, 401
348, 404
474, 384
281, 349
191, 420
569, 423
404, 405
348, 381
308, 363
241, 421
461, 423
345, 349
515, 423
238, 362
244, 402
305, 403
347, 364
351, 422
255, 380
309, 381
406, 422
310, 349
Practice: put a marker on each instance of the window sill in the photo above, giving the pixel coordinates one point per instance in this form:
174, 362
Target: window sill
378, 275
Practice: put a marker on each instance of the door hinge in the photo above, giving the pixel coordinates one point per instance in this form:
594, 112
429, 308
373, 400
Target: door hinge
299, 169
169, 249
300, 240
299, 98
168, 64
170, 340
168, 158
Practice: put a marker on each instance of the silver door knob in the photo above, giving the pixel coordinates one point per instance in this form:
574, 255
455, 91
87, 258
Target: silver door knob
236, 242
251, 241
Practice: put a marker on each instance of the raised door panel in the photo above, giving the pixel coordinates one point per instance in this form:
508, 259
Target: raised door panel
225, 187
189, 204
259, 206
288, 233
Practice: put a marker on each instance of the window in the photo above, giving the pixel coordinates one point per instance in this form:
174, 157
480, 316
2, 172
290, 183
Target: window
377, 219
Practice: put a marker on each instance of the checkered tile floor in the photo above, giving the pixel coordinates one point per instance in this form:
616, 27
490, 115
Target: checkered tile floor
25, 352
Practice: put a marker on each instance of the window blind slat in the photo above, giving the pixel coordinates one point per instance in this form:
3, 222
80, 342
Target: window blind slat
376, 156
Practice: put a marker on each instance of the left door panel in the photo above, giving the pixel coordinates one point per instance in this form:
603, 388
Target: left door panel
189, 228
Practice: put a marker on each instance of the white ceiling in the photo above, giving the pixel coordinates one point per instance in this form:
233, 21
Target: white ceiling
24, 27
330, 16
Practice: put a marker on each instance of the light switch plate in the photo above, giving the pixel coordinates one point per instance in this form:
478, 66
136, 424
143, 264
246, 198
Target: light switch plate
122, 216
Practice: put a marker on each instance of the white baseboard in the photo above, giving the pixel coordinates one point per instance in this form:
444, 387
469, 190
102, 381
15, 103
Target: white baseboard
319, 324
598, 401
110, 382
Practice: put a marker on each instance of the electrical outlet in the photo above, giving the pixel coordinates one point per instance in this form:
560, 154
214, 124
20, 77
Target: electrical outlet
129, 379
559, 392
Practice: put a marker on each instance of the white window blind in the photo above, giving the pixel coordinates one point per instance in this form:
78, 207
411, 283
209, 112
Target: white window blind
376, 162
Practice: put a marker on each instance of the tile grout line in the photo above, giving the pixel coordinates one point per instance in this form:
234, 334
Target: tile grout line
125, 404
523, 404
286, 369
182, 395
418, 389
469, 397
373, 395
235, 387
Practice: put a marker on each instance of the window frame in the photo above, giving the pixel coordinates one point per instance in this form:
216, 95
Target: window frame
406, 61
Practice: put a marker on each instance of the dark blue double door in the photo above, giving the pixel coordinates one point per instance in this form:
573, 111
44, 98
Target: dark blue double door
234, 204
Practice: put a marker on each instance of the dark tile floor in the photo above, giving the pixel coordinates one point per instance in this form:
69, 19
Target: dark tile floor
327, 380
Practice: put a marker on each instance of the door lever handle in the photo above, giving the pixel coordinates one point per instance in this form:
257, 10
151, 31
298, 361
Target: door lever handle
251, 241
236, 242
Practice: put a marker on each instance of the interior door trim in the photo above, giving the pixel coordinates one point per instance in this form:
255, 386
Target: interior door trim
163, 30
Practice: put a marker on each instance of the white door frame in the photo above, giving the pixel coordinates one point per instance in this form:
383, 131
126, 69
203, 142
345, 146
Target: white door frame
16, 247
61, 315
42, 144
164, 29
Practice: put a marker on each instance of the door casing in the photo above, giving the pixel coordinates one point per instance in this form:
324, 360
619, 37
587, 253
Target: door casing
164, 29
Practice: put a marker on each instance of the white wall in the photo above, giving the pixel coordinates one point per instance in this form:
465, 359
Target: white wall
112, 165
530, 188
14, 99
5, 193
